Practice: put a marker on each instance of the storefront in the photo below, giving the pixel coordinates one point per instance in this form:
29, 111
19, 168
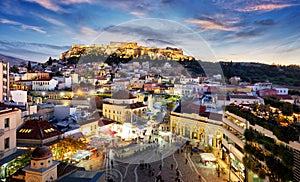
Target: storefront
237, 166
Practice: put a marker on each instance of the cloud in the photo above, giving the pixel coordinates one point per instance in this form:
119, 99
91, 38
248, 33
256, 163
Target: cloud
265, 7
265, 22
208, 25
55, 5
23, 26
48, 4
86, 31
138, 13
51, 20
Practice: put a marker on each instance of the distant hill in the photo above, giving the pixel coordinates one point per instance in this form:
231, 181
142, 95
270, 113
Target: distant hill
11, 60
258, 72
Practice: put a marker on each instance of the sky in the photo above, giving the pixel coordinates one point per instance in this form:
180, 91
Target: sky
265, 31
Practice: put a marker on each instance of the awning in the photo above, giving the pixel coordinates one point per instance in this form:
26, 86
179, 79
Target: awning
208, 157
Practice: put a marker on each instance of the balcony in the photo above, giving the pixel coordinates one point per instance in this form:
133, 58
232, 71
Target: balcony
1, 132
234, 126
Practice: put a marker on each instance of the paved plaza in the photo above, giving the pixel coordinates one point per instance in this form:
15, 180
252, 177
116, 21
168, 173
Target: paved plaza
164, 162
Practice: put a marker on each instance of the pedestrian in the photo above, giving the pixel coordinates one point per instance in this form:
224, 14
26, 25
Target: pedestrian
112, 163
172, 166
186, 160
160, 167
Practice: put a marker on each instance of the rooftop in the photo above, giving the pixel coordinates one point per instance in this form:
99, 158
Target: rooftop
37, 130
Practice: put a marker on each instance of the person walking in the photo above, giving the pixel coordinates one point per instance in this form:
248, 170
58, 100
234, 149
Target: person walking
186, 160
112, 163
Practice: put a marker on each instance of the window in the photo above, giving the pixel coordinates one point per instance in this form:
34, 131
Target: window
6, 122
6, 143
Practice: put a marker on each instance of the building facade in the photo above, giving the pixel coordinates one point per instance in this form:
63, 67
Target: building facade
122, 107
9, 120
4, 81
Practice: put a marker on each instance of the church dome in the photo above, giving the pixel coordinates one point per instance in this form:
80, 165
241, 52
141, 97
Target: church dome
41, 153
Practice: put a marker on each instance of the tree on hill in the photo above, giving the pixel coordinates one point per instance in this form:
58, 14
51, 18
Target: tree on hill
50, 61
29, 68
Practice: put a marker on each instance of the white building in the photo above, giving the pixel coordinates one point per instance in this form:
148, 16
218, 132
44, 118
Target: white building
246, 99
261, 86
68, 81
19, 96
185, 80
282, 91
184, 89
44, 84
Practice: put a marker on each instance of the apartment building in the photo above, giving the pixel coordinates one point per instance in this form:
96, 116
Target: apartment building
9, 121
4, 81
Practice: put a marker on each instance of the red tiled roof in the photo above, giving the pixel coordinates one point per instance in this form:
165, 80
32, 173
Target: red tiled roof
37, 130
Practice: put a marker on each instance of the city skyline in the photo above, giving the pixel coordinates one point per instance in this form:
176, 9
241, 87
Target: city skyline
256, 31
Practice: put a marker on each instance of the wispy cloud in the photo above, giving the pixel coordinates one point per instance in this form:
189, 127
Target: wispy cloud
86, 31
48, 4
265, 7
23, 26
52, 21
138, 14
208, 24
6, 21
56, 5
